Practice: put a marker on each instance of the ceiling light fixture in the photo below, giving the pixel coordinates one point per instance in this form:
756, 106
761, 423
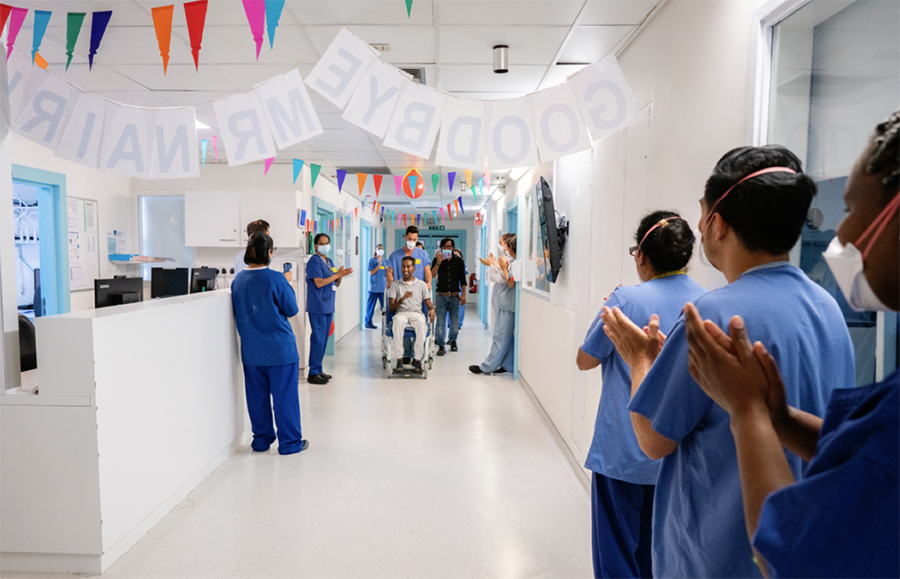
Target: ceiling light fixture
501, 58
518, 173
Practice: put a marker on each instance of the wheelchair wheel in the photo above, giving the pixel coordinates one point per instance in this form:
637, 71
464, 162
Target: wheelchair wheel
384, 363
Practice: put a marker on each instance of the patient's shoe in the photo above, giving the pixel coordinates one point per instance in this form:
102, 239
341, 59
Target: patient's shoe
399, 369
417, 366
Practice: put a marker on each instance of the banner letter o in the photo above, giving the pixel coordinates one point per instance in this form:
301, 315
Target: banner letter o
574, 122
497, 143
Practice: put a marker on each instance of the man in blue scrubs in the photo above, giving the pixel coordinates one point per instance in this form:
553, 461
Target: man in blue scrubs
322, 281
753, 209
377, 281
422, 261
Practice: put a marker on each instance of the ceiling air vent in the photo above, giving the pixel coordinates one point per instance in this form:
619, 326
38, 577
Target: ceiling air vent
417, 74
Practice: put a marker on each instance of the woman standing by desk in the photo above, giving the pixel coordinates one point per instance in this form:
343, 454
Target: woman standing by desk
322, 281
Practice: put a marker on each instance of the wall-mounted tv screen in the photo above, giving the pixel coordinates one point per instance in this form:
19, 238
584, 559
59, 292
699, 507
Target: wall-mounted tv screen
549, 234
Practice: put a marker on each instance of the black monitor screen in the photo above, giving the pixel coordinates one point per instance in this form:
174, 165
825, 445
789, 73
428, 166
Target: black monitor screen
547, 213
118, 291
165, 282
203, 279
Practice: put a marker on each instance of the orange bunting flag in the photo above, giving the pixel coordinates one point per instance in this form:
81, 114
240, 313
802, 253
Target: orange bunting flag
468, 178
39, 60
361, 177
162, 22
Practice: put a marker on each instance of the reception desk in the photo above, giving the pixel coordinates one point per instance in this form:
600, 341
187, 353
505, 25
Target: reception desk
136, 405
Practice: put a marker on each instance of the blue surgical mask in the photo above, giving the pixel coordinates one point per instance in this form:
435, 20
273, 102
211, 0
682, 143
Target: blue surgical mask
323, 249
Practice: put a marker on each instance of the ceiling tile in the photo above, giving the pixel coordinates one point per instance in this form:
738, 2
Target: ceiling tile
559, 73
124, 13
121, 45
247, 76
474, 44
409, 44
505, 12
101, 78
345, 12
523, 78
591, 43
142, 98
181, 76
610, 12
234, 45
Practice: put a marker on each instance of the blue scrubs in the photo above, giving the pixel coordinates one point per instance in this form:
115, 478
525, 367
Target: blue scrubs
842, 519
422, 262
320, 308
377, 283
263, 301
698, 517
624, 477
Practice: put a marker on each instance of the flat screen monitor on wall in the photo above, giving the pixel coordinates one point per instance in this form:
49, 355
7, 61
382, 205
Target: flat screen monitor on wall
549, 233
167, 282
118, 291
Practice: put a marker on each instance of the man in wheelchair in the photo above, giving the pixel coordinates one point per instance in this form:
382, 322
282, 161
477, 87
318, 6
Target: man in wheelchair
405, 300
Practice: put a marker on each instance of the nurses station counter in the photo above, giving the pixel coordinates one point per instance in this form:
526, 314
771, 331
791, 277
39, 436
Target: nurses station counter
137, 404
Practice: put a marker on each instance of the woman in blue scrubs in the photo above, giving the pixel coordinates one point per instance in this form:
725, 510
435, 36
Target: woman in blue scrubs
322, 281
263, 300
624, 478
843, 518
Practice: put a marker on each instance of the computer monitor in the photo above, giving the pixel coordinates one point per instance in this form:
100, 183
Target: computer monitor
203, 279
118, 291
168, 282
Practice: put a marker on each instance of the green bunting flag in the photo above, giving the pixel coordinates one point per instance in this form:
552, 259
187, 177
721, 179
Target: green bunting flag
435, 181
314, 173
73, 29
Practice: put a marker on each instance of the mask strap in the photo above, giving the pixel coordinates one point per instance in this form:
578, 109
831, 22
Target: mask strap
750, 176
660, 223
880, 223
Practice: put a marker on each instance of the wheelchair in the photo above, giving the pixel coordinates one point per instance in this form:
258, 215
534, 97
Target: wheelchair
389, 357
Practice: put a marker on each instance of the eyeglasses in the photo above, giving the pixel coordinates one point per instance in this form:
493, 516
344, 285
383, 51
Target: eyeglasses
633, 249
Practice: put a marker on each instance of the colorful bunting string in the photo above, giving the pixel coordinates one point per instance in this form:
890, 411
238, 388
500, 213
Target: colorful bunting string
215, 148
195, 13
256, 16
5, 10
398, 183
39, 60
361, 179
99, 21
41, 19
314, 173
74, 20
269, 162
412, 184
298, 166
461, 206
162, 23
16, 18
340, 179
203, 151
273, 15
468, 178
377, 179
409, 8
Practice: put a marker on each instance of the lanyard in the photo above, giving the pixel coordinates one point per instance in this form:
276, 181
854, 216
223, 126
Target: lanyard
662, 275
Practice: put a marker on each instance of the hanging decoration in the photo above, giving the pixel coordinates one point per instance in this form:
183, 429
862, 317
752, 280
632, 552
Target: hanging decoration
215, 148
461, 205
203, 151
5, 9
74, 20
442, 215
273, 15
413, 184
256, 17
99, 22
16, 18
269, 162
409, 8
340, 179
468, 178
435, 181
39, 60
361, 179
41, 19
298, 166
377, 179
451, 177
314, 173
398, 184
162, 23
195, 14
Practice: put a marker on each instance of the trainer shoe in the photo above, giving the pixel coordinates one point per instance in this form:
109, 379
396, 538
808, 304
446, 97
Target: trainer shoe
317, 379
441, 351
475, 369
453, 347
417, 366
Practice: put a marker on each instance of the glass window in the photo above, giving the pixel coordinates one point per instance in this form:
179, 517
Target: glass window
834, 77
162, 232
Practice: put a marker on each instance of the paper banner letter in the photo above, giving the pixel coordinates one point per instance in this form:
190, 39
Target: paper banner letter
203, 145
451, 177
216, 148
461, 142
398, 183
298, 166
45, 117
127, 145
373, 102
269, 162
603, 96
558, 125
273, 15
162, 23
314, 174
510, 135
175, 144
41, 19
73, 29
361, 178
340, 179
83, 135
377, 179
99, 21
341, 68
416, 120
245, 129
289, 111
195, 14
256, 16
17, 17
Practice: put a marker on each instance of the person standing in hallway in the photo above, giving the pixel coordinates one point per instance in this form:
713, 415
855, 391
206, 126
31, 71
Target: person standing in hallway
377, 282
462, 308
494, 274
752, 212
451, 292
405, 297
420, 259
502, 354
624, 478
260, 226
263, 300
322, 281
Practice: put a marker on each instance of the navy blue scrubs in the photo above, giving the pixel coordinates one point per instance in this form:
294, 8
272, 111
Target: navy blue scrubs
320, 308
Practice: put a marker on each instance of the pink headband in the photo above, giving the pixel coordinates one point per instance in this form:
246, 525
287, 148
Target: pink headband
660, 223
750, 176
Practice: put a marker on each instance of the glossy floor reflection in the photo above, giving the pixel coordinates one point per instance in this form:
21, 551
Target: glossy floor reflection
453, 476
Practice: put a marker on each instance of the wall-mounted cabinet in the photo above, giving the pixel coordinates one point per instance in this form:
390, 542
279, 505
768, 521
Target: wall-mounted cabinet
220, 218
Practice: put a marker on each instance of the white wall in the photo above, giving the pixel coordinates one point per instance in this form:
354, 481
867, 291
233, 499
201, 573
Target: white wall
9, 326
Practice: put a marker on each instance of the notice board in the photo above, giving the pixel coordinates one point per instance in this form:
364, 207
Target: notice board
84, 243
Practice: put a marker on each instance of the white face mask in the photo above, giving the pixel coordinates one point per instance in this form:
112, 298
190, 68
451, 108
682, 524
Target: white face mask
323, 249
701, 254
410, 244
379, 252
846, 263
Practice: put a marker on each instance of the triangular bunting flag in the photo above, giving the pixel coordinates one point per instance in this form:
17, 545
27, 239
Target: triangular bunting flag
398, 183
203, 151
435, 181
451, 177
412, 184
298, 166
17, 17
361, 179
449, 212
273, 15
256, 17
377, 179
73, 29
314, 173
468, 177
195, 13
215, 148
442, 215
5, 9
481, 186
99, 21
162, 23
409, 8
268, 165
41, 19
461, 206
340, 178
39, 60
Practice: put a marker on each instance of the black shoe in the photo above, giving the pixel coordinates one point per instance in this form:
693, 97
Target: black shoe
407, 361
305, 445
441, 351
475, 369
417, 366
453, 347
399, 369
371, 327
500, 370
324, 375
317, 379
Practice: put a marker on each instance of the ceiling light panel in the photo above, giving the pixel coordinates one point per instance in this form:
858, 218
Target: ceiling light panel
591, 43
527, 44
504, 12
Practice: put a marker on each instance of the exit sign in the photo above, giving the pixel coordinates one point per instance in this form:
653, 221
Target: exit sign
436, 227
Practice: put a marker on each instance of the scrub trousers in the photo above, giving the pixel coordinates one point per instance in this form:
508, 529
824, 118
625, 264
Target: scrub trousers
502, 348
370, 305
447, 307
268, 388
620, 527
321, 326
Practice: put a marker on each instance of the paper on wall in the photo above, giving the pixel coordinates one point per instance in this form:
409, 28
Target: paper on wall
74, 212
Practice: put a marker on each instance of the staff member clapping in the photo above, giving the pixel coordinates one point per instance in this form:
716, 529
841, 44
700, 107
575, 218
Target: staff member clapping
322, 281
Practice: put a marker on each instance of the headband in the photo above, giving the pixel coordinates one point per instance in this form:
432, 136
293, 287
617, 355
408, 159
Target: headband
750, 176
660, 223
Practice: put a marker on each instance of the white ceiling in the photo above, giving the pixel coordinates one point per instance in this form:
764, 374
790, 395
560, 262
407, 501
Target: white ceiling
451, 39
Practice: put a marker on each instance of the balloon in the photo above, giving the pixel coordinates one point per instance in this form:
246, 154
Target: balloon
419, 181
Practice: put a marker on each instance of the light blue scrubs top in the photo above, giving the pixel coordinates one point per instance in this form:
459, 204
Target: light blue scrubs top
377, 281
615, 452
843, 518
698, 517
320, 300
422, 261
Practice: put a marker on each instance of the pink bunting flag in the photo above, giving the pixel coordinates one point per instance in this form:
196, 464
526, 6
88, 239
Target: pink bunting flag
442, 215
398, 183
215, 148
16, 18
269, 165
256, 16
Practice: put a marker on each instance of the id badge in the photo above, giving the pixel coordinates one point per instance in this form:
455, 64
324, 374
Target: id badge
418, 262
333, 270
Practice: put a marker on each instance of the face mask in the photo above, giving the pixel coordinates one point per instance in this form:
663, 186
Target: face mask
323, 249
701, 254
410, 244
448, 253
379, 252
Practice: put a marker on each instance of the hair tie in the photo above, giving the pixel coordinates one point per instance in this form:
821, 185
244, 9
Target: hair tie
661, 223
